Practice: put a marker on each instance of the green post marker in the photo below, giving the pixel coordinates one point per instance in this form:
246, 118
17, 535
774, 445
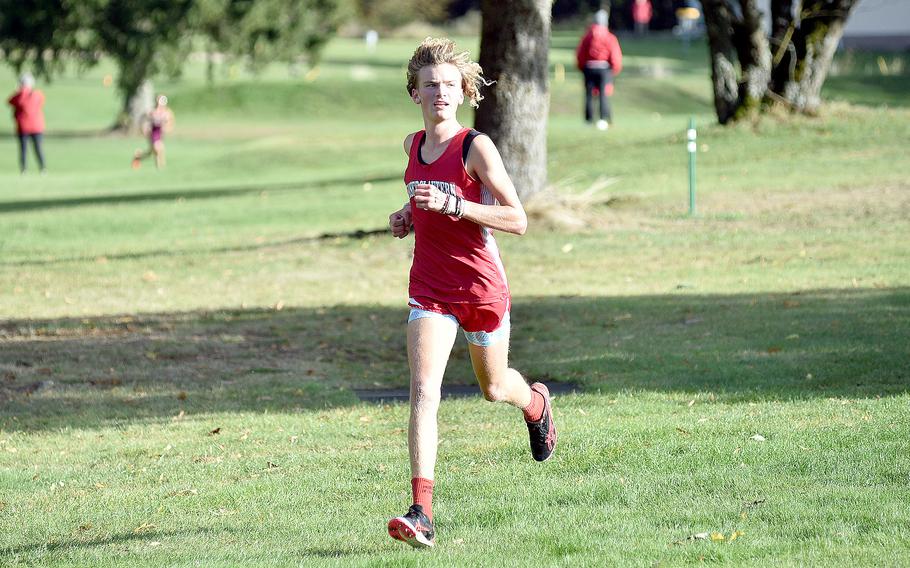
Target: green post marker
691, 147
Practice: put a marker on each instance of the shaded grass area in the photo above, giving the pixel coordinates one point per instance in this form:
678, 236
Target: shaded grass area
101, 372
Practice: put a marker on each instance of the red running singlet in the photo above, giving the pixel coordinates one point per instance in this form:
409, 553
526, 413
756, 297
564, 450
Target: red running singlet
455, 260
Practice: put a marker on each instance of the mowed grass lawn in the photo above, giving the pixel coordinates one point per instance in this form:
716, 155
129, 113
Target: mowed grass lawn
180, 349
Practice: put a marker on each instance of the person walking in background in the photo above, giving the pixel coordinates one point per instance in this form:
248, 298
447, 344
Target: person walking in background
600, 59
158, 121
641, 15
28, 105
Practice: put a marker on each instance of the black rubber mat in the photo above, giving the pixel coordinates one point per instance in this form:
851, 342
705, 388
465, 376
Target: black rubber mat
448, 391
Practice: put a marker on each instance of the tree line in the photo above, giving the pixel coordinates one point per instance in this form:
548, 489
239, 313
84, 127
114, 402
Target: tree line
145, 37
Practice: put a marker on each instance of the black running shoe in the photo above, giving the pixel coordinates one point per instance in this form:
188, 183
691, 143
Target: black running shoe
414, 528
543, 432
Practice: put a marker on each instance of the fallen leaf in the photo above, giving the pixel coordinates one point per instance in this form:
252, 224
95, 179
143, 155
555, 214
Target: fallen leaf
215, 431
682, 431
736, 535
758, 438
567, 247
181, 395
717, 537
144, 527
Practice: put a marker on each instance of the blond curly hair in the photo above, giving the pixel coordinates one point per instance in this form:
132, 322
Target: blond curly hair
436, 51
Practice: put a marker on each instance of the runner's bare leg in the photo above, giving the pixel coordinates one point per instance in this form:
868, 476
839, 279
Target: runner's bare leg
497, 381
430, 342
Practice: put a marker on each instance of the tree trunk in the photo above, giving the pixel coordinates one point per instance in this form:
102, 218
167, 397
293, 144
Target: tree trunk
783, 27
141, 103
514, 48
790, 65
719, 26
754, 59
815, 37
136, 92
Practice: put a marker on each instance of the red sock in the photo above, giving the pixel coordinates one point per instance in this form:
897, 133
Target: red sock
534, 410
422, 489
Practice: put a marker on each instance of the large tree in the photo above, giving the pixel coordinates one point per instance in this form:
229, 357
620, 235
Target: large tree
133, 33
514, 46
44, 34
752, 70
145, 37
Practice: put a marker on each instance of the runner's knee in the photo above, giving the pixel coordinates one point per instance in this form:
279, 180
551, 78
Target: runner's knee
424, 395
494, 391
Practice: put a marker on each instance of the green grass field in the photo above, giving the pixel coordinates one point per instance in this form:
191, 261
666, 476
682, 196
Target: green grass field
179, 349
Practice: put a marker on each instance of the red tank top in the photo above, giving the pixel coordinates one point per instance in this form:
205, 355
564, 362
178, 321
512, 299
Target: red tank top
455, 260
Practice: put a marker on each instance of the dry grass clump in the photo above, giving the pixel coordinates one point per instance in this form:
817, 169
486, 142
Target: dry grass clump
559, 207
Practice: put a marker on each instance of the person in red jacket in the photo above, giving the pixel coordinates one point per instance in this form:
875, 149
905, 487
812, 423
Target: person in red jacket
600, 59
27, 104
641, 15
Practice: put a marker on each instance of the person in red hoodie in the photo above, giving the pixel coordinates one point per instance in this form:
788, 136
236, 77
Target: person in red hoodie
641, 15
27, 104
600, 59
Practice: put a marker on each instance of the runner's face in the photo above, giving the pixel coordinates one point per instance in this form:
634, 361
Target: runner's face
438, 91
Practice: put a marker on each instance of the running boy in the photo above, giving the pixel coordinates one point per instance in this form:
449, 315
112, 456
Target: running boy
459, 192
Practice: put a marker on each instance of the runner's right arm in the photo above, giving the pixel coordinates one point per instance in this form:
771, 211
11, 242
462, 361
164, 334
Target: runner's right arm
400, 221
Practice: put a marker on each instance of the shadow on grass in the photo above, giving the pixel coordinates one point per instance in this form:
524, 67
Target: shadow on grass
188, 194
115, 370
359, 234
122, 538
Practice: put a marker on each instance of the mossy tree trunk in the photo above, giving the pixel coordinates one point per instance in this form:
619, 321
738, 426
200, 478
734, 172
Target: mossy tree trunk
724, 73
740, 57
814, 31
751, 70
514, 49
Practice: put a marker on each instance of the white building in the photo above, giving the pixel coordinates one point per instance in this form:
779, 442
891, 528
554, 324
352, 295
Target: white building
879, 24
874, 24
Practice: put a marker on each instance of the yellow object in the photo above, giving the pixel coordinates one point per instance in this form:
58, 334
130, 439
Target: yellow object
688, 13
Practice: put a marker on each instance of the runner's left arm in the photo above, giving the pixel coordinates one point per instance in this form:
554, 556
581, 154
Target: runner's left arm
485, 163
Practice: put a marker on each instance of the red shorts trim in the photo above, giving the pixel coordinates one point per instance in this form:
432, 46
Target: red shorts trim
471, 317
